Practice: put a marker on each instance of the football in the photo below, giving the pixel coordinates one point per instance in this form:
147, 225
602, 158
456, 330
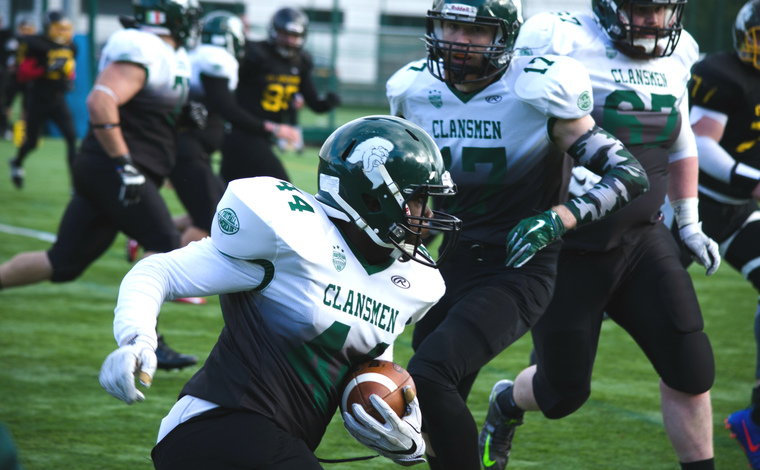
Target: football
383, 378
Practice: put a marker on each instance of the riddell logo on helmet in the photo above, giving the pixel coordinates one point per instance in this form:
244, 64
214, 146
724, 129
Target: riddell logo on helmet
458, 8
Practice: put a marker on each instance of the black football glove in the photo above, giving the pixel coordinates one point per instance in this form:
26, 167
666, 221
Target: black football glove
132, 180
332, 99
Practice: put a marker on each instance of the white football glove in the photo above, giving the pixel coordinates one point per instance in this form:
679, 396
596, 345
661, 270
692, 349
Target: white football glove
399, 439
117, 375
582, 180
703, 248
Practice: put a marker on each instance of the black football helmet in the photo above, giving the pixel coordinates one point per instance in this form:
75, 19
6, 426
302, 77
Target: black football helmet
505, 15
614, 16
747, 33
288, 23
226, 30
58, 27
179, 19
370, 167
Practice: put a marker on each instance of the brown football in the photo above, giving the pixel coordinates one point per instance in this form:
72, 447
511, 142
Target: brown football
383, 378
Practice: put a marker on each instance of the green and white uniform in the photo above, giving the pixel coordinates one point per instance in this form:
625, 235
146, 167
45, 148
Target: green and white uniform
300, 305
495, 142
641, 102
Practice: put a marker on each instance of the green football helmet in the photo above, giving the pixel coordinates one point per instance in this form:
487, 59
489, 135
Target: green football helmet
747, 33
226, 30
176, 18
615, 16
505, 15
370, 167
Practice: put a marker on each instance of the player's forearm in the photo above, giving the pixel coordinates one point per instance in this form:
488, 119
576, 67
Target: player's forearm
105, 124
623, 177
682, 182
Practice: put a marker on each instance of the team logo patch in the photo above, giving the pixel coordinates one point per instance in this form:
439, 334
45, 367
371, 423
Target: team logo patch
401, 282
339, 258
493, 99
434, 96
228, 222
611, 52
372, 153
584, 101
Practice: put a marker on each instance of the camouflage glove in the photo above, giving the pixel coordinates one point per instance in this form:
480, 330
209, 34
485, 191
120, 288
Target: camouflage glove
531, 235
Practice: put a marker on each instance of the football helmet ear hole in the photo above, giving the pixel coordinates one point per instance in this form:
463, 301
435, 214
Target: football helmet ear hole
373, 205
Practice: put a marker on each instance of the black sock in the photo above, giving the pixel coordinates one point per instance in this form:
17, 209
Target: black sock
708, 464
756, 405
507, 405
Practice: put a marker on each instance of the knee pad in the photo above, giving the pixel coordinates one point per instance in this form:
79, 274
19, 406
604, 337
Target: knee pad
692, 367
558, 402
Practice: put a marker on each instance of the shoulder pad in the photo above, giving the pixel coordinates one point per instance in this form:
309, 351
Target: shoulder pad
214, 61
557, 33
687, 49
397, 86
558, 86
131, 45
238, 230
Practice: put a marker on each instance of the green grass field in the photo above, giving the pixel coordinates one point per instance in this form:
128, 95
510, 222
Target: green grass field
53, 339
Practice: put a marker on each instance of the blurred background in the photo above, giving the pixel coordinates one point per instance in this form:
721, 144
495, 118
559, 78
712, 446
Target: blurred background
356, 44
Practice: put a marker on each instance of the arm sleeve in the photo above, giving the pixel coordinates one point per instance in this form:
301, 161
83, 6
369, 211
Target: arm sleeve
198, 269
219, 99
310, 95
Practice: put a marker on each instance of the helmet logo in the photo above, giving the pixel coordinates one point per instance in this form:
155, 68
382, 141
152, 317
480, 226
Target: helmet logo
372, 153
460, 9
400, 282
339, 258
434, 96
228, 222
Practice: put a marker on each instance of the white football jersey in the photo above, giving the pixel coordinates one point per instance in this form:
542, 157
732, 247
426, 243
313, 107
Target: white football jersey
495, 142
300, 306
213, 61
638, 101
168, 70
642, 102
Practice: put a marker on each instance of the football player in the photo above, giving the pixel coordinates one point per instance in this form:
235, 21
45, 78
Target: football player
213, 82
128, 151
47, 64
309, 287
639, 59
503, 125
725, 98
272, 73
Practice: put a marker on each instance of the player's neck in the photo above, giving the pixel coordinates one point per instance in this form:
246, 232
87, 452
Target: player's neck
170, 41
371, 252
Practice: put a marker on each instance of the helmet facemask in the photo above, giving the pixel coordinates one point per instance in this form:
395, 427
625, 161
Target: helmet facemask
641, 40
493, 58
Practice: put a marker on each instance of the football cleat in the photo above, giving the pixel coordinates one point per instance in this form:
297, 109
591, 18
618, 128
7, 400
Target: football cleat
17, 174
495, 441
747, 433
132, 249
169, 359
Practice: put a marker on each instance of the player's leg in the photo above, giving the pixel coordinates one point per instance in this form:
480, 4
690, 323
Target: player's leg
667, 324
61, 115
36, 112
244, 156
227, 440
499, 306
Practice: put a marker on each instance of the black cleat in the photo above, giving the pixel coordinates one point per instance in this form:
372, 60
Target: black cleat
17, 174
169, 359
495, 440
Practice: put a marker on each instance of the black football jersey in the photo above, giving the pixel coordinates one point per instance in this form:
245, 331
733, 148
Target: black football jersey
58, 60
723, 83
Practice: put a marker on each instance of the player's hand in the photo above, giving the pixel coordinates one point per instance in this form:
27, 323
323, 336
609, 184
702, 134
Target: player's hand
399, 439
197, 114
531, 235
132, 180
117, 375
703, 249
333, 99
